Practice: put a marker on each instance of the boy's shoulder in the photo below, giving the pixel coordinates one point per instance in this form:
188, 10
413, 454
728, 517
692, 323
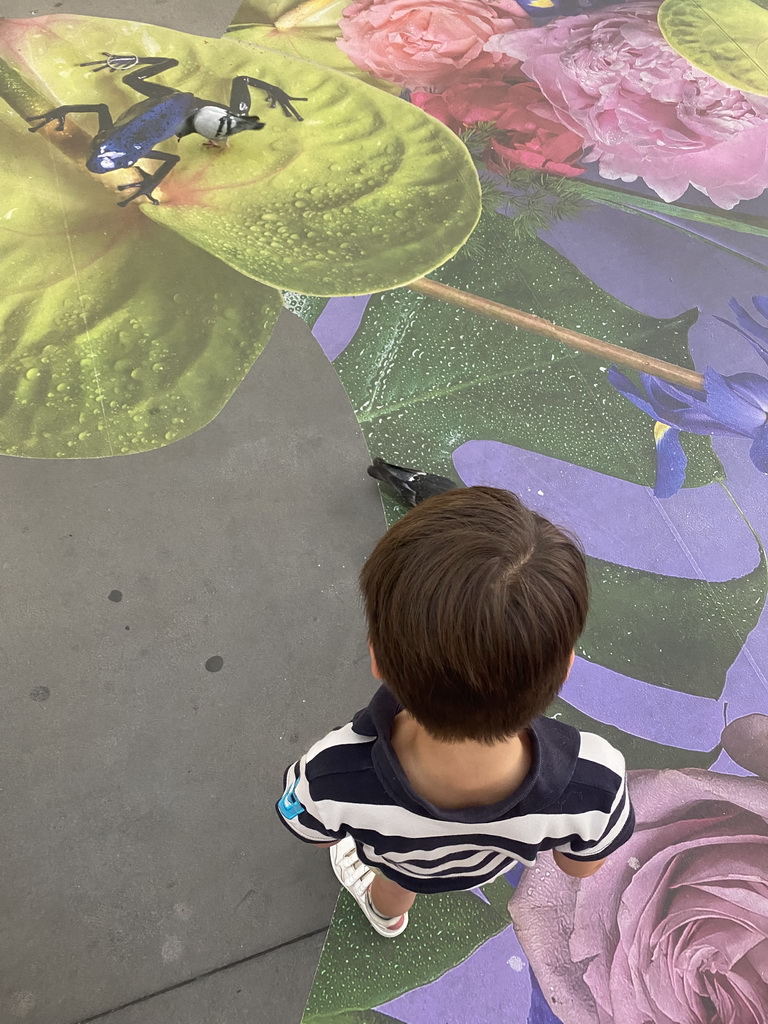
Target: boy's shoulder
349, 748
596, 763
341, 751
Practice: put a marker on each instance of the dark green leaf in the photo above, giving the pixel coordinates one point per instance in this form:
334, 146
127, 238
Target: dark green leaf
352, 1017
639, 624
308, 307
359, 969
498, 894
425, 376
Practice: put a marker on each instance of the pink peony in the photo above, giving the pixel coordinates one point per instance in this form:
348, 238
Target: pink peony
426, 44
525, 135
674, 928
644, 109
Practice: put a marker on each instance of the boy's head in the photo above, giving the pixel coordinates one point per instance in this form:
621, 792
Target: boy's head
474, 605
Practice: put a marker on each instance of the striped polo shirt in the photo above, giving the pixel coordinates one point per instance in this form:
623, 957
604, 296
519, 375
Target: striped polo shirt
574, 799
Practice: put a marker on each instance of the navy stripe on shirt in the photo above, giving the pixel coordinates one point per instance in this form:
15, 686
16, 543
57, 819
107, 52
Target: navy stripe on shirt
574, 799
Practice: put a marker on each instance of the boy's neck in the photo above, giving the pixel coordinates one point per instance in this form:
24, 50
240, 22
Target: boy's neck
460, 774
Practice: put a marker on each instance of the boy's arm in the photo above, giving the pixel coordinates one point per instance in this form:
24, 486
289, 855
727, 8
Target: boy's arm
581, 858
574, 868
298, 813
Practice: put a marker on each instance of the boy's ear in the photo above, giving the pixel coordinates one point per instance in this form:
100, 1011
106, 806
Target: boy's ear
374, 667
570, 663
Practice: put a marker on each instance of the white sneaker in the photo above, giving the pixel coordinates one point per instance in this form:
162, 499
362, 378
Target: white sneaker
357, 878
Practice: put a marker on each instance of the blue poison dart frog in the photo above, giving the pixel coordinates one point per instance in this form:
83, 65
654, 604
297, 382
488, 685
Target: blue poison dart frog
166, 112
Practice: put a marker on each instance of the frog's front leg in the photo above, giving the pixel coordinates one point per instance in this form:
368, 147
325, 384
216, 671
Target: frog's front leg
149, 182
59, 113
146, 67
240, 97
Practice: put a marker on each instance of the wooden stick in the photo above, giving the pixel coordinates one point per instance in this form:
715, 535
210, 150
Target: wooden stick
573, 339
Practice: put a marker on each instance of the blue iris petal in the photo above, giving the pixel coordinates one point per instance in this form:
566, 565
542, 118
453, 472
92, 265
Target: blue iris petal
735, 406
679, 407
758, 452
755, 333
671, 397
676, 406
745, 334
731, 412
630, 390
752, 387
747, 322
671, 463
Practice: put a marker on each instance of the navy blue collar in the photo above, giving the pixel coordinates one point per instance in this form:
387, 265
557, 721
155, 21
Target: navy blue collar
554, 753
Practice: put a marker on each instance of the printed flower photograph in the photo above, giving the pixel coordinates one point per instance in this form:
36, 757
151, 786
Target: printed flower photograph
531, 237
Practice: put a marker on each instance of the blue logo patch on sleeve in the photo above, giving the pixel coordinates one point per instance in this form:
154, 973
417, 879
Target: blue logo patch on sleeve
289, 804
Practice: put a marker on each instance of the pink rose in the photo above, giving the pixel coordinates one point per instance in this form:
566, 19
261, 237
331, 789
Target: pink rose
674, 928
525, 135
644, 109
426, 44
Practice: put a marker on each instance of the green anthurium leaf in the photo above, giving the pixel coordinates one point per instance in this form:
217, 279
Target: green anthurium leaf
351, 200
308, 30
308, 43
359, 970
267, 12
726, 38
424, 376
118, 337
637, 619
638, 752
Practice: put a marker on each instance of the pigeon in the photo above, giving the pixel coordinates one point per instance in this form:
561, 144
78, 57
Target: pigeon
409, 486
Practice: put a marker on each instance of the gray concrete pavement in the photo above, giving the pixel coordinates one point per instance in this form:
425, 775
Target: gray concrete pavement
267, 988
185, 15
139, 847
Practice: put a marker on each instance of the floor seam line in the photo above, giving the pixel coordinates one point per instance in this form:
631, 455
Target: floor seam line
199, 977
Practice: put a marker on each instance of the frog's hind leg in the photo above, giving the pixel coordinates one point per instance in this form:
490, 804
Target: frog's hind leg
59, 113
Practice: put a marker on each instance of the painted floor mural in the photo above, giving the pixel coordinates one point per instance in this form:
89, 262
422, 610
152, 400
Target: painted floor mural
533, 240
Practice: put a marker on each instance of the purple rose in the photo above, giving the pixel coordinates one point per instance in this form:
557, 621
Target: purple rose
673, 929
611, 78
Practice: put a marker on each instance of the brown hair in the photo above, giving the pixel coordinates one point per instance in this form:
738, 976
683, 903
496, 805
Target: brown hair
474, 605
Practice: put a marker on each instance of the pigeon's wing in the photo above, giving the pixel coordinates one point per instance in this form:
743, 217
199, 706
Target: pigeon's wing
427, 485
398, 479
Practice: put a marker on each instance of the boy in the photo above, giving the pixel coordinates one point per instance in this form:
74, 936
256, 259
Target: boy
452, 774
